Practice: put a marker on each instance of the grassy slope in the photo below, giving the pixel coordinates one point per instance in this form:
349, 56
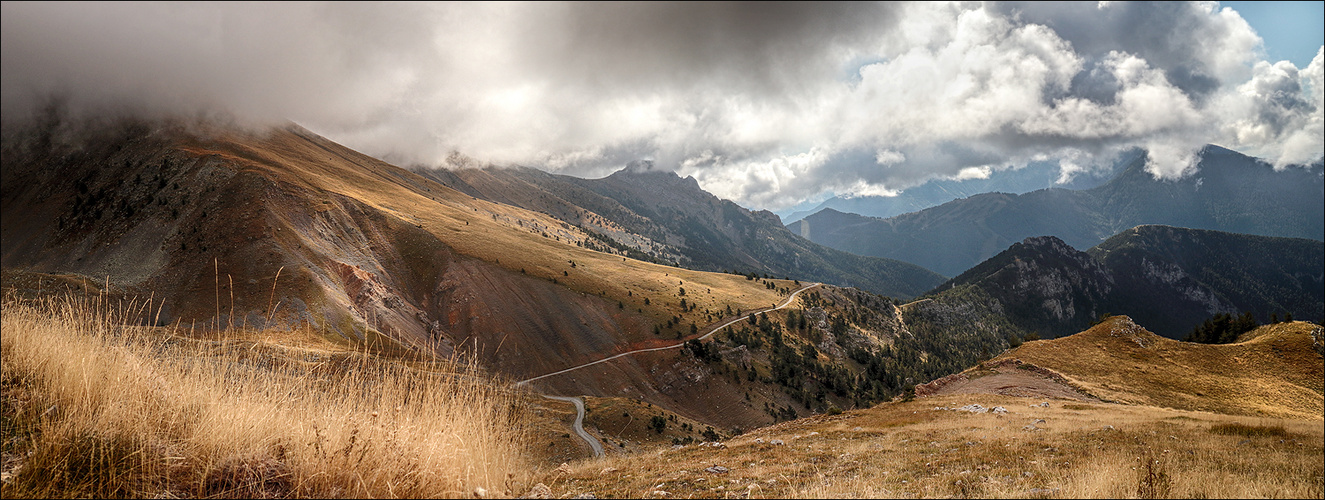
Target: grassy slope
486, 230
681, 221
1276, 374
93, 408
352, 232
1255, 431
913, 450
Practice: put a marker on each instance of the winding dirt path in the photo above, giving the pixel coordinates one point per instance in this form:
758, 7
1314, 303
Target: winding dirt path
785, 302
579, 423
579, 403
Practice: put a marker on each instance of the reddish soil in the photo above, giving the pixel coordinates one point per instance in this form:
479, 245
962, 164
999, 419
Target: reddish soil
1007, 379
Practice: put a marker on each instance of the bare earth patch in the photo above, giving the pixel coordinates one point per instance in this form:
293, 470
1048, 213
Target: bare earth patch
1008, 380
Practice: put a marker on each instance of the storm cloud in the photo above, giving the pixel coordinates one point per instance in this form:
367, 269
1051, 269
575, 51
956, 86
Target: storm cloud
765, 104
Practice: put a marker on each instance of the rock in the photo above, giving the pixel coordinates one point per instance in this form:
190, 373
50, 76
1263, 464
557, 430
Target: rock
776, 442
539, 490
759, 440
1044, 404
716, 469
480, 492
1038, 421
974, 408
1108, 427
816, 433
998, 409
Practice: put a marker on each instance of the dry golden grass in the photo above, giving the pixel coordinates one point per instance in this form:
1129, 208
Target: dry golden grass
1264, 439
1275, 372
913, 450
96, 409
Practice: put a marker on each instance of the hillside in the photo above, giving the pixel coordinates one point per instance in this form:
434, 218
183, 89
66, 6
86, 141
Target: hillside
656, 215
1276, 373
283, 228
227, 229
1230, 192
1171, 278
1112, 411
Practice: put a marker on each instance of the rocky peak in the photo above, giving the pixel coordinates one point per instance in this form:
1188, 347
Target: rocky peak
638, 167
1049, 243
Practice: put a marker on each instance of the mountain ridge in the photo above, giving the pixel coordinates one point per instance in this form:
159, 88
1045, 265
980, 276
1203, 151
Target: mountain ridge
1166, 277
1229, 192
660, 215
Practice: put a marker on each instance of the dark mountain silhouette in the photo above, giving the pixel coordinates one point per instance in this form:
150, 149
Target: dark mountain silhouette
1167, 277
1037, 175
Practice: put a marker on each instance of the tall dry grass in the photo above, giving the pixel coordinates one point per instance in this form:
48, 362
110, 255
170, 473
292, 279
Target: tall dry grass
911, 450
96, 408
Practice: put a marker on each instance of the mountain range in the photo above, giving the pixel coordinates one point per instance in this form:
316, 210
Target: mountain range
531, 273
1166, 277
656, 215
1033, 176
1229, 192
226, 229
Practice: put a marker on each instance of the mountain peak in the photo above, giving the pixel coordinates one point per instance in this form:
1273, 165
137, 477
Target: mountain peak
648, 170
1049, 243
1211, 148
639, 167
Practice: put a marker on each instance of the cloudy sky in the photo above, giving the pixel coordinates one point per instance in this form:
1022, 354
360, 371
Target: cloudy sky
768, 105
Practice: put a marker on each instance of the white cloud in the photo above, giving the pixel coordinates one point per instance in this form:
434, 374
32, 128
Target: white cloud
969, 173
766, 104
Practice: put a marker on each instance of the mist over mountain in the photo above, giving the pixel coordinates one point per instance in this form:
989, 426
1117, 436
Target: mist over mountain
1036, 175
1229, 192
1166, 277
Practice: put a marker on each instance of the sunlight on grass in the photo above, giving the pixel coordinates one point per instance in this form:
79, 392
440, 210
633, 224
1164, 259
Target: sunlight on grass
94, 408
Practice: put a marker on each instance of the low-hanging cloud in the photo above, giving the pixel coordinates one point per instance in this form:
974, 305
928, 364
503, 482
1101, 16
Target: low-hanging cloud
765, 104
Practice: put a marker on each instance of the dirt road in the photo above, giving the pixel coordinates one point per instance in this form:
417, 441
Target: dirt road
579, 404
579, 423
786, 302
